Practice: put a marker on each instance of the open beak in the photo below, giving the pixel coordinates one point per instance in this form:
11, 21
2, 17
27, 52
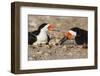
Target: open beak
50, 27
68, 35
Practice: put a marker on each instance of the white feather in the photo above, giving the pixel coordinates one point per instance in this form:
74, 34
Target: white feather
42, 37
73, 33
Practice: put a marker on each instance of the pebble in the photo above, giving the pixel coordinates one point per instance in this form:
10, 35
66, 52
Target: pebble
57, 40
40, 52
64, 47
33, 55
49, 46
46, 54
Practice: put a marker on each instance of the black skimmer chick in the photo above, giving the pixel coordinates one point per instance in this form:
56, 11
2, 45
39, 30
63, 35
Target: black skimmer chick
80, 36
40, 36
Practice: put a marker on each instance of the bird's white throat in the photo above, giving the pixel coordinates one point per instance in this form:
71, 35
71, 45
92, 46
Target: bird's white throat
73, 33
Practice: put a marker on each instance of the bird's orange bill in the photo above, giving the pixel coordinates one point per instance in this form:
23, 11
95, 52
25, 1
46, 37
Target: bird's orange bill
68, 35
50, 27
62, 40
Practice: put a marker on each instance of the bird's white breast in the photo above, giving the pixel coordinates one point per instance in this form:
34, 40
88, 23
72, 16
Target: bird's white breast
41, 38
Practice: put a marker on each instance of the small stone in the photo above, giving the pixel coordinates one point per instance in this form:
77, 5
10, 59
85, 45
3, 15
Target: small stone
40, 52
49, 46
64, 47
46, 54
33, 55
57, 41
52, 43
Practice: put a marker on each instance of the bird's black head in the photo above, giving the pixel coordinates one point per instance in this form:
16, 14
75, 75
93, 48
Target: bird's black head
42, 26
75, 29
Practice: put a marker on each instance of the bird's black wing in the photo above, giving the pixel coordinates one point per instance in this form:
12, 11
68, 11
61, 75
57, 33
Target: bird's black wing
82, 37
31, 38
35, 32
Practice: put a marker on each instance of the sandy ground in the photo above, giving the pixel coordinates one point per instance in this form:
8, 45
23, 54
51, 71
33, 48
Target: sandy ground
51, 52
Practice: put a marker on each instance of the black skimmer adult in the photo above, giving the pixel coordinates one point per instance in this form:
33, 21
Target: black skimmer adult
80, 36
40, 36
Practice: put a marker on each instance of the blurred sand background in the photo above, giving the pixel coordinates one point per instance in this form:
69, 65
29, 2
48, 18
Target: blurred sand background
62, 23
